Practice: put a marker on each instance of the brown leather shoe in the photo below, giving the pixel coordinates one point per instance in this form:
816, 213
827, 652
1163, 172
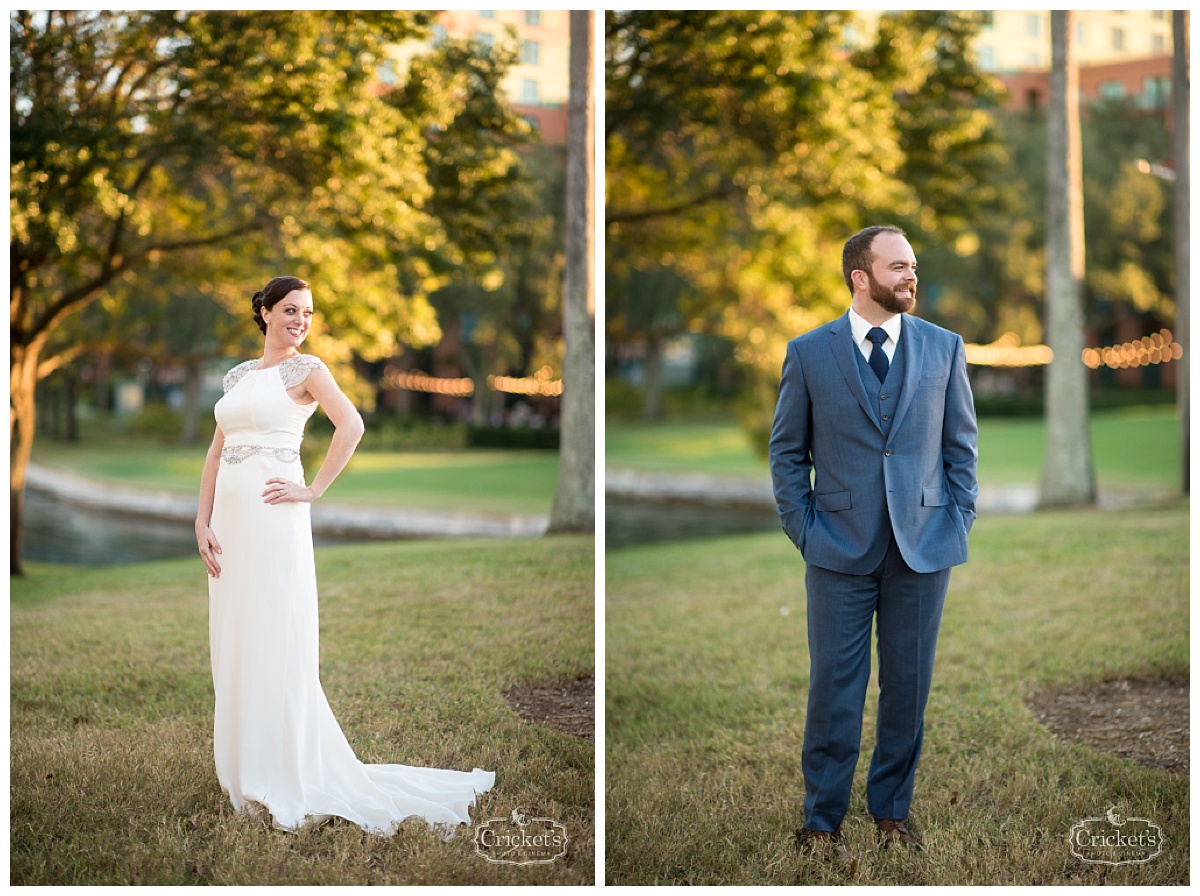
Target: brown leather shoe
826, 846
893, 831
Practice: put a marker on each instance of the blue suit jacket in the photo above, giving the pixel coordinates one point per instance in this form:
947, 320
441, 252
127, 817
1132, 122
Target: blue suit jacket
832, 465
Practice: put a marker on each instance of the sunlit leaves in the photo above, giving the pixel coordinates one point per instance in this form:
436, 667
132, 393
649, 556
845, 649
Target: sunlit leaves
136, 133
744, 146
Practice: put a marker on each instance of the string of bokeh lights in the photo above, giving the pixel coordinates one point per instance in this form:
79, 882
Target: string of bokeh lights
541, 383
1007, 351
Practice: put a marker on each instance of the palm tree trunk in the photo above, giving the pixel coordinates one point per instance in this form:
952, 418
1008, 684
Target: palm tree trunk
1067, 475
574, 508
1181, 90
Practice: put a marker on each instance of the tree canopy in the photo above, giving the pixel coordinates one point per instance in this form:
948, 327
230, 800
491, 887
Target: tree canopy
743, 147
227, 147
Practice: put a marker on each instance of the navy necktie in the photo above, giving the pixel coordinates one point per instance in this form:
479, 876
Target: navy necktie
878, 360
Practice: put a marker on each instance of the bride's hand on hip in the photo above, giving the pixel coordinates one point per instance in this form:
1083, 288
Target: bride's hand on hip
281, 490
209, 548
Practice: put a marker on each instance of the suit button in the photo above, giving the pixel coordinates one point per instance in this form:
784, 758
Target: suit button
885, 416
887, 452
883, 398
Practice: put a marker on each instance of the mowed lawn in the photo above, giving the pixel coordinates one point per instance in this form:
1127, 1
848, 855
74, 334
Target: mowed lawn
481, 480
706, 681
1133, 449
111, 766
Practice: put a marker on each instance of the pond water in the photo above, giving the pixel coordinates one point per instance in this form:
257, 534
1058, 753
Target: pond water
57, 532
629, 522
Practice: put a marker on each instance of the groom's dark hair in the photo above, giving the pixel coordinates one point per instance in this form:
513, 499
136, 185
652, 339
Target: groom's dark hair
857, 254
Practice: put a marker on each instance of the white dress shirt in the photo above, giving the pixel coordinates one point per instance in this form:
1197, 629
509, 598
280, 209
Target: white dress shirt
859, 328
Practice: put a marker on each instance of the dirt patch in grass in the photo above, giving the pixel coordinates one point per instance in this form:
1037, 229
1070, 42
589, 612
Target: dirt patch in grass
1143, 720
568, 706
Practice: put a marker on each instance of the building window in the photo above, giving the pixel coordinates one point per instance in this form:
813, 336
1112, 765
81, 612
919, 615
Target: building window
1158, 44
1080, 34
1118, 39
533, 17
438, 35
1156, 90
530, 52
482, 37
1033, 25
987, 58
530, 93
1158, 15
1112, 90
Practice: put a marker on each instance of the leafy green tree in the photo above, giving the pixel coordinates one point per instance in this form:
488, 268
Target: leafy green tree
731, 138
644, 304
1126, 211
743, 147
142, 136
1000, 287
509, 315
944, 117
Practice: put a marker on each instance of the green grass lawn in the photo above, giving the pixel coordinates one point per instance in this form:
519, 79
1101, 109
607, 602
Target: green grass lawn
1133, 448
491, 481
706, 677
111, 768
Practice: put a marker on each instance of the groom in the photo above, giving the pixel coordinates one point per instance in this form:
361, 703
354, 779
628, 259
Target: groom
873, 455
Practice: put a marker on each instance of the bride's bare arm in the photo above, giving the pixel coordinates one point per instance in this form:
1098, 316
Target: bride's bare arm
348, 429
205, 539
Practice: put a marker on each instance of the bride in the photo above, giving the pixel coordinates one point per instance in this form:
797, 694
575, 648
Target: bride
277, 745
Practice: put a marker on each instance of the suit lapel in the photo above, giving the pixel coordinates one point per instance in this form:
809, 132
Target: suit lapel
841, 343
914, 348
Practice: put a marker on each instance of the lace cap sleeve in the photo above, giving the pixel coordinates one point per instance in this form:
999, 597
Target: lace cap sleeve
235, 375
295, 370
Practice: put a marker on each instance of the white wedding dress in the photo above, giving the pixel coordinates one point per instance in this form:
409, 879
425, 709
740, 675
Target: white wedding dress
276, 742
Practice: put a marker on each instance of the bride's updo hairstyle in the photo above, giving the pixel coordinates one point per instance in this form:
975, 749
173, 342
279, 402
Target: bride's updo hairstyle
270, 294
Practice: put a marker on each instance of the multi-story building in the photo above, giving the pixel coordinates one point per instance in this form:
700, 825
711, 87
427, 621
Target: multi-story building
1121, 53
538, 85
1015, 40
1019, 40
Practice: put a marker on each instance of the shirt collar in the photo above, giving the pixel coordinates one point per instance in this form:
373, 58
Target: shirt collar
859, 327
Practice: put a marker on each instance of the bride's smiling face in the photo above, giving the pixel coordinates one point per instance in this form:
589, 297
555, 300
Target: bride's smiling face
289, 321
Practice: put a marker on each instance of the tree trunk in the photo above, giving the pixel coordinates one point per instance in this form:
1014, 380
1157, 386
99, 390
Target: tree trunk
1067, 475
22, 419
1181, 90
574, 508
193, 379
652, 388
70, 398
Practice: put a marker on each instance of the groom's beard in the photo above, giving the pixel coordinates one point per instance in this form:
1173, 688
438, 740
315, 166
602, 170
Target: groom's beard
888, 300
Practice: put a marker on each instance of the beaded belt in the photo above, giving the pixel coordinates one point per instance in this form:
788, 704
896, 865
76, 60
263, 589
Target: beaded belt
235, 454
